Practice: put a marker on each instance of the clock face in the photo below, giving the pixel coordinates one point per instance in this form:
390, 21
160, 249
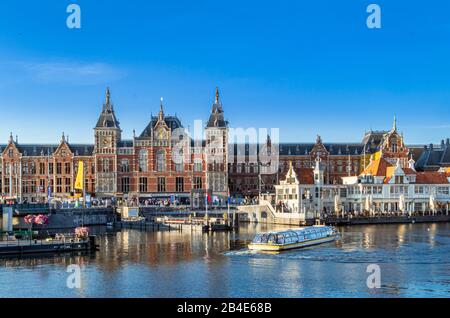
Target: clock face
106, 142
161, 134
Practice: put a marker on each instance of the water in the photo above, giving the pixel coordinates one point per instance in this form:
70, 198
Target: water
414, 260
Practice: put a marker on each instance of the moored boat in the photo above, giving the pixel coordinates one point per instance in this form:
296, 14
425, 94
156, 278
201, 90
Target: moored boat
293, 238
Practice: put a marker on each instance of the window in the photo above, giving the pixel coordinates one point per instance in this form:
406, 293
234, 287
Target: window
68, 185
125, 185
58, 168
6, 186
41, 168
124, 165
198, 167
50, 168
143, 158
42, 185
33, 186
143, 186
394, 147
197, 183
106, 165
59, 185
67, 167
178, 159
161, 161
32, 168
179, 184
161, 184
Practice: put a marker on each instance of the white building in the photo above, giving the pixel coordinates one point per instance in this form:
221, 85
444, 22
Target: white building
382, 188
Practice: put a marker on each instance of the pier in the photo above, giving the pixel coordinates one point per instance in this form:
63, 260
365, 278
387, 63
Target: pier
35, 246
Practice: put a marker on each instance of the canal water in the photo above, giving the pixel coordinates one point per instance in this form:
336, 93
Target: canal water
414, 261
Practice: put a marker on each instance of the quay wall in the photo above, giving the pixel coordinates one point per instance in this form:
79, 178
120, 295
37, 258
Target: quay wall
71, 218
387, 220
263, 214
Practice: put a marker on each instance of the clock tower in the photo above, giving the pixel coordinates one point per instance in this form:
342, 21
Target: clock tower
107, 134
216, 151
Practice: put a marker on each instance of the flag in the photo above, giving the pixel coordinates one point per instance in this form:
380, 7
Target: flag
79, 181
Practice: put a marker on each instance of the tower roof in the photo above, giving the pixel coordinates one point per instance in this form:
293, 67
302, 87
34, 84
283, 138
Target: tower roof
107, 118
216, 118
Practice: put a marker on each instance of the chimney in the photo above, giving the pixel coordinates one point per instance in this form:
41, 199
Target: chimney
447, 142
442, 143
431, 146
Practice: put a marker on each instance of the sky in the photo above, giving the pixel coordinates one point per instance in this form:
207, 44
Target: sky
305, 67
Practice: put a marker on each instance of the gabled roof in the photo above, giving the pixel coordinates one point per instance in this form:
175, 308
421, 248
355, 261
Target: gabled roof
303, 175
172, 122
377, 168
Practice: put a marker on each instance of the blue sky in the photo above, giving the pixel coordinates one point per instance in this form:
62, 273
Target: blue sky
306, 67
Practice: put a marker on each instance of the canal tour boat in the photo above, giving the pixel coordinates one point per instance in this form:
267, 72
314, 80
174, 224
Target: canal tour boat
293, 238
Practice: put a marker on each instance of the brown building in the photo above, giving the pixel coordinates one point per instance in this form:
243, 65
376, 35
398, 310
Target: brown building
338, 159
162, 162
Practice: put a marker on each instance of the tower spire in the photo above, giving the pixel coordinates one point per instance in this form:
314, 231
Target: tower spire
161, 110
108, 96
394, 128
217, 95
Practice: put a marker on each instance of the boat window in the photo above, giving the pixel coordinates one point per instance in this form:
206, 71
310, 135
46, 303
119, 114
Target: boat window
257, 239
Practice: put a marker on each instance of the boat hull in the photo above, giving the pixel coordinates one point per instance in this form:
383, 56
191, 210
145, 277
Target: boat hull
276, 247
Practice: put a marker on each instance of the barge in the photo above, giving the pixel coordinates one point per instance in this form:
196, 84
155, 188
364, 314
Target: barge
293, 238
20, 247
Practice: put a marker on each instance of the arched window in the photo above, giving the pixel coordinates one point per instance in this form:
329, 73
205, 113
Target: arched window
143, 156
161, 161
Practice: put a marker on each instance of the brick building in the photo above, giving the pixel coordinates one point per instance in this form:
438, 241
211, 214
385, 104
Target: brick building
164, 162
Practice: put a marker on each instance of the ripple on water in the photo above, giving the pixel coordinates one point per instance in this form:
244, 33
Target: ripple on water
408, 254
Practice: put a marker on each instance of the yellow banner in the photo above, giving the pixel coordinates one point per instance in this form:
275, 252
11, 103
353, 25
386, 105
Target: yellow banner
79, 182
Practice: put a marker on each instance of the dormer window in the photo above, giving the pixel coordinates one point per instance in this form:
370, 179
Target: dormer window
394, 147
399, 179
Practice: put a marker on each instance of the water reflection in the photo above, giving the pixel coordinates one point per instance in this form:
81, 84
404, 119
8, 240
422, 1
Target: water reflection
130, 263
